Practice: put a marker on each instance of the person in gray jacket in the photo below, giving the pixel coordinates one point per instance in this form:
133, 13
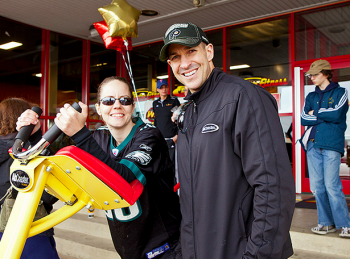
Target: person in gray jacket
237, 187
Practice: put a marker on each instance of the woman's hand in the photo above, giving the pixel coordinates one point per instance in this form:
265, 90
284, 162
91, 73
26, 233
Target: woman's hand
69, 120
28, 117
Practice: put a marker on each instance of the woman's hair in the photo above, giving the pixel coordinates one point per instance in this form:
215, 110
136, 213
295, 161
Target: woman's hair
10, 110
112, 78
327, 73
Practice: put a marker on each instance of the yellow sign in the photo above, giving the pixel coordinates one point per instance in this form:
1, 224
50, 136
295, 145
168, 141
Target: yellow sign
267, 82
150, 115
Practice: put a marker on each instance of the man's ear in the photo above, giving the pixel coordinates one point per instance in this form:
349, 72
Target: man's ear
97, 106
210, 51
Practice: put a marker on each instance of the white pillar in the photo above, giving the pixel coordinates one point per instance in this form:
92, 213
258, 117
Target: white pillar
297, 133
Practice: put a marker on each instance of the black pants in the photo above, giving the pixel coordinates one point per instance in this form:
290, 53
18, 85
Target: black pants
171, 148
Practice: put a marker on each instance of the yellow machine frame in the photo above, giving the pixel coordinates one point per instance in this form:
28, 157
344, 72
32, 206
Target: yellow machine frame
62, 177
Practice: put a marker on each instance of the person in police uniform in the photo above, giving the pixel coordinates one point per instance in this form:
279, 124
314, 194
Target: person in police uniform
162, 112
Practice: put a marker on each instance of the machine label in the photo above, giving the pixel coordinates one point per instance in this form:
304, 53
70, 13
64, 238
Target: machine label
20, 179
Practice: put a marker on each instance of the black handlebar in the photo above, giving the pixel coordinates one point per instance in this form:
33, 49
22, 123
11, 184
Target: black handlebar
50, 136
53, 133
25, 131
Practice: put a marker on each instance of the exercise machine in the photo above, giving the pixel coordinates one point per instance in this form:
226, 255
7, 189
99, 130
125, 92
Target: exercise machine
72, 175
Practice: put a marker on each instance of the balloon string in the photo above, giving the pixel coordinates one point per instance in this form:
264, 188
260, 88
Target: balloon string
128, 67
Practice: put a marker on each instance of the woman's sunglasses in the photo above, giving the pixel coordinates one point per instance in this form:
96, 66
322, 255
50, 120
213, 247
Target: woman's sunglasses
111, 100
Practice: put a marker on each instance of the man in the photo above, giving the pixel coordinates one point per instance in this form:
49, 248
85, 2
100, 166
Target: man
162, 113
324, 113
237, 187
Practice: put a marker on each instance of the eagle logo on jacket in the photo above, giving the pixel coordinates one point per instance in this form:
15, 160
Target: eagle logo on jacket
140, 156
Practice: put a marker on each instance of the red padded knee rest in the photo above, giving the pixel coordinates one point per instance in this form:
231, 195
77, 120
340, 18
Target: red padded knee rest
128, 191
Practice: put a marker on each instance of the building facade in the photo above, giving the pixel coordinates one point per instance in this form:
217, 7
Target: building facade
51, 69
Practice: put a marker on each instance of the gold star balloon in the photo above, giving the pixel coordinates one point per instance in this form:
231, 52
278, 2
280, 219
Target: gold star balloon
121, 18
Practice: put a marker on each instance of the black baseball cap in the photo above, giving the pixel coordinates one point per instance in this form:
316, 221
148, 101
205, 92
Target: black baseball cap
187, 34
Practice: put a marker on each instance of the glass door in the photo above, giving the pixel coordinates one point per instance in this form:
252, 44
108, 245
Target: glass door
303, 86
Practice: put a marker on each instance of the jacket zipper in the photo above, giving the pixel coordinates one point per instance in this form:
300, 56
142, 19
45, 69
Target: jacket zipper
191, 168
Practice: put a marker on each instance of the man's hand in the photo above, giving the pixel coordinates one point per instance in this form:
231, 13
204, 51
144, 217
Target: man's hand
176, 111
69, 120
311, 112
175, 139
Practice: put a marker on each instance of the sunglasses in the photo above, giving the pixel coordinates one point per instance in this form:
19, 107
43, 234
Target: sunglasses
111, 100
309, 76
181, 118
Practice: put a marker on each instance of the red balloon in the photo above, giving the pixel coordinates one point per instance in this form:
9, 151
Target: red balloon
116, 43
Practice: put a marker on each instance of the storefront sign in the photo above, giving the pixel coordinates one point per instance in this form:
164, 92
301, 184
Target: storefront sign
150, 115
267, 82
179, 91
145, 95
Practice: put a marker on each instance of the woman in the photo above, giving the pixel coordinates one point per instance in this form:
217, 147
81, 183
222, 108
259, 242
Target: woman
134, 149
41, 246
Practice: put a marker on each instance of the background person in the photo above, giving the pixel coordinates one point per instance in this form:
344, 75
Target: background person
162, 115
136, 151
176, 110
237, 188
41, 246
324, 113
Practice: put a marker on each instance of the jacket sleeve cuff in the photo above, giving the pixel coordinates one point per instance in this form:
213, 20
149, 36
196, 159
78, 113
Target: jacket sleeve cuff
81, 135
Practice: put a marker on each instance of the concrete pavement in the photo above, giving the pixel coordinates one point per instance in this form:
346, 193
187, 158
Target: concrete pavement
84, 238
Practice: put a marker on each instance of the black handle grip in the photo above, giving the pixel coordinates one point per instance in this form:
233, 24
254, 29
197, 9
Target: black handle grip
53, 133
25, 131
24, 134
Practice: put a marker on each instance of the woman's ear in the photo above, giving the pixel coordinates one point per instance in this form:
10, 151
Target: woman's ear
97, 106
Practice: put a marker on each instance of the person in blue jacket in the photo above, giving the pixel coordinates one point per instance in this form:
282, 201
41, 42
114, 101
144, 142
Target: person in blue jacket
324, 113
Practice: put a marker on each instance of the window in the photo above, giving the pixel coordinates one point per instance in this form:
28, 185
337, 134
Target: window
20, 67
65, 79
322, 33
259, 53
102, 65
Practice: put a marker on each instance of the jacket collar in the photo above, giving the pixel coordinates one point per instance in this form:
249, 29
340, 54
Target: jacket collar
330, 87
208, 87
166, 99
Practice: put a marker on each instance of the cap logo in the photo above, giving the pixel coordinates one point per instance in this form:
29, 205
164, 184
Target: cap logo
174, 34
175, 26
